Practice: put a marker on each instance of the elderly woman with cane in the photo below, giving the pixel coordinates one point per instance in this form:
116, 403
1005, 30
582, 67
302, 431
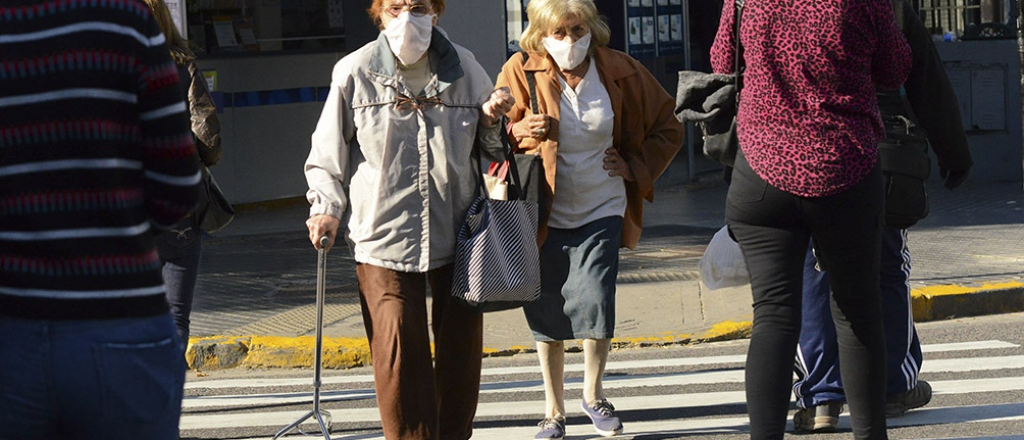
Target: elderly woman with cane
392, 159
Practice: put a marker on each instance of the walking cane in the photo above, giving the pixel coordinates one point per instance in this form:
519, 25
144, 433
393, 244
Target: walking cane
319, 414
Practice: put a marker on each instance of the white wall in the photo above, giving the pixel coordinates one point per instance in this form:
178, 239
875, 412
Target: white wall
986, 77
266, 146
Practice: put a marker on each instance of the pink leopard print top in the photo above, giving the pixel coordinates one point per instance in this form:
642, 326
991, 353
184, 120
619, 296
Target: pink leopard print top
808, 117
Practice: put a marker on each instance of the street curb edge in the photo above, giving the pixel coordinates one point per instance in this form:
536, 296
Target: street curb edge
222, 352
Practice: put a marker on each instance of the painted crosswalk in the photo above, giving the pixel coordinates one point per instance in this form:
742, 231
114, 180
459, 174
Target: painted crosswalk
512, 399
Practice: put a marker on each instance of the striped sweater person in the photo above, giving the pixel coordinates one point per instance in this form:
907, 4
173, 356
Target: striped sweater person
95, 156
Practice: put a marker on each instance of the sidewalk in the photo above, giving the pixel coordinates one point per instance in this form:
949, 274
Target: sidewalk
254, 304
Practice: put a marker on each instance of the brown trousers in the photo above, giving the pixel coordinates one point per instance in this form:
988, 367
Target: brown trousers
395, 316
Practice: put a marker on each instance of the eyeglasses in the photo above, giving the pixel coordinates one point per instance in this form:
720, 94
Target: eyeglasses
418, 103
417, 10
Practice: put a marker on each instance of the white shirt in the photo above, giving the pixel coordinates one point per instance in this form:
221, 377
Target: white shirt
584, 191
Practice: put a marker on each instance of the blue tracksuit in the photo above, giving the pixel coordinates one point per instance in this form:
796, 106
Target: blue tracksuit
817, 355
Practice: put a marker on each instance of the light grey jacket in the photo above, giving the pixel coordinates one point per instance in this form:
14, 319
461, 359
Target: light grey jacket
401, 177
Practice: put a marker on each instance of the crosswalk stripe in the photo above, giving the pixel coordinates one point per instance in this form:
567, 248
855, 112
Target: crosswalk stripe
675, 430
739, 425
533, 369
612, 382
964, 346
612, 366
677, 379
534, 408
687, 427
971, 364
977, 385
984, 437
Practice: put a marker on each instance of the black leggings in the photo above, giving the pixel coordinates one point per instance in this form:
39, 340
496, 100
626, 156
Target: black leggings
773, 228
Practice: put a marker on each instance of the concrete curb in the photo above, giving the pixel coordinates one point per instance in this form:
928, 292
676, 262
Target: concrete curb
952, 301
221, 352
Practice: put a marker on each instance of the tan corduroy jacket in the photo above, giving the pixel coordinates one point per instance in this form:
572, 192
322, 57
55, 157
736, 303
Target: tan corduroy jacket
646, 131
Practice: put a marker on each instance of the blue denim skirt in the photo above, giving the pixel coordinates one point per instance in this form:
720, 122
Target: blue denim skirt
578, 268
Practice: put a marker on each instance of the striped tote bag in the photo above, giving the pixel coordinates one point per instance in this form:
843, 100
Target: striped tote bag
497, 263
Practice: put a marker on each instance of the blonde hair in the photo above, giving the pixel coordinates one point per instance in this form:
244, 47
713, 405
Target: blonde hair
377, 8
545, 15
179, 46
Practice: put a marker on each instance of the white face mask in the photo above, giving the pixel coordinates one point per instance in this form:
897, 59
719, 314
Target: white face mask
409, 36
566, 55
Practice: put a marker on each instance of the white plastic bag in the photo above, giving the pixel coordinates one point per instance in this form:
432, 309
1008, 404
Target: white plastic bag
722, 264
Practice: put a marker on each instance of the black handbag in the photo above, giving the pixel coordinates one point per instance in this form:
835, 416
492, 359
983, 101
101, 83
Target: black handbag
903, 157
711, 100
213, 212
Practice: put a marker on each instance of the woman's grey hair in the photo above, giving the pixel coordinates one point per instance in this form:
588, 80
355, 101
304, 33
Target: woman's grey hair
545, 15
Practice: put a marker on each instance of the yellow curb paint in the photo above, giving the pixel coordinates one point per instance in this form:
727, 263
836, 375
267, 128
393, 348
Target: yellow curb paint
727, 330
933, 291
210, 360
298, 352
513, 350
922, 298
639, 341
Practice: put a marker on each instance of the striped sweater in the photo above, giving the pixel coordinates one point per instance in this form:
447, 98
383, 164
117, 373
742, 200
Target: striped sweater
96, 154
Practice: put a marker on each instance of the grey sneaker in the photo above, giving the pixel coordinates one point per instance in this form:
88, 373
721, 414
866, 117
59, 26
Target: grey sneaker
551, 429
602, 413
821, 418
898, 404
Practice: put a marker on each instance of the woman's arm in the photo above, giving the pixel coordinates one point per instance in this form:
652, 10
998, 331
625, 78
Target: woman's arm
327, 165
663, 134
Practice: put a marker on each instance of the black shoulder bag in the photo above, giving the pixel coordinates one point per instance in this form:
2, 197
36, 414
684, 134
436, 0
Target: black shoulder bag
903, 156
711, 101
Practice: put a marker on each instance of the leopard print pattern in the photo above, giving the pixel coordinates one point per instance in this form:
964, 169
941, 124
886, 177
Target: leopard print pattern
808, 117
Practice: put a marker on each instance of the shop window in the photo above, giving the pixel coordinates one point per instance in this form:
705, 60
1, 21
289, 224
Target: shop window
238, 26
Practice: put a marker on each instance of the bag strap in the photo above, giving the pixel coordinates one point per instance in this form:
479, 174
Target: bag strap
531, 81
507, 171
739, 47
515, 186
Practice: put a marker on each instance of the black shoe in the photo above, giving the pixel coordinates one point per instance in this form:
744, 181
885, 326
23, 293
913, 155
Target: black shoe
898, 404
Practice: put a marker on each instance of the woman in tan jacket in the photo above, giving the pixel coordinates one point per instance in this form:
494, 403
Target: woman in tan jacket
605, 131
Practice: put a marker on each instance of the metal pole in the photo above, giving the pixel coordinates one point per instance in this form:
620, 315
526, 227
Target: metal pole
687, 64
1020, 54
319, 414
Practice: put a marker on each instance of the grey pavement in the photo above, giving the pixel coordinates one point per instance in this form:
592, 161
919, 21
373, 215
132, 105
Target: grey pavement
258, 275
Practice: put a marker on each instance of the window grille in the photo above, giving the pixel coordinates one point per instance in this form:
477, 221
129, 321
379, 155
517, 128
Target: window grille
949, 16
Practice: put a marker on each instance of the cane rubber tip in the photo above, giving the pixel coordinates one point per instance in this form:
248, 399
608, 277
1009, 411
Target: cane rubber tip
324, 240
